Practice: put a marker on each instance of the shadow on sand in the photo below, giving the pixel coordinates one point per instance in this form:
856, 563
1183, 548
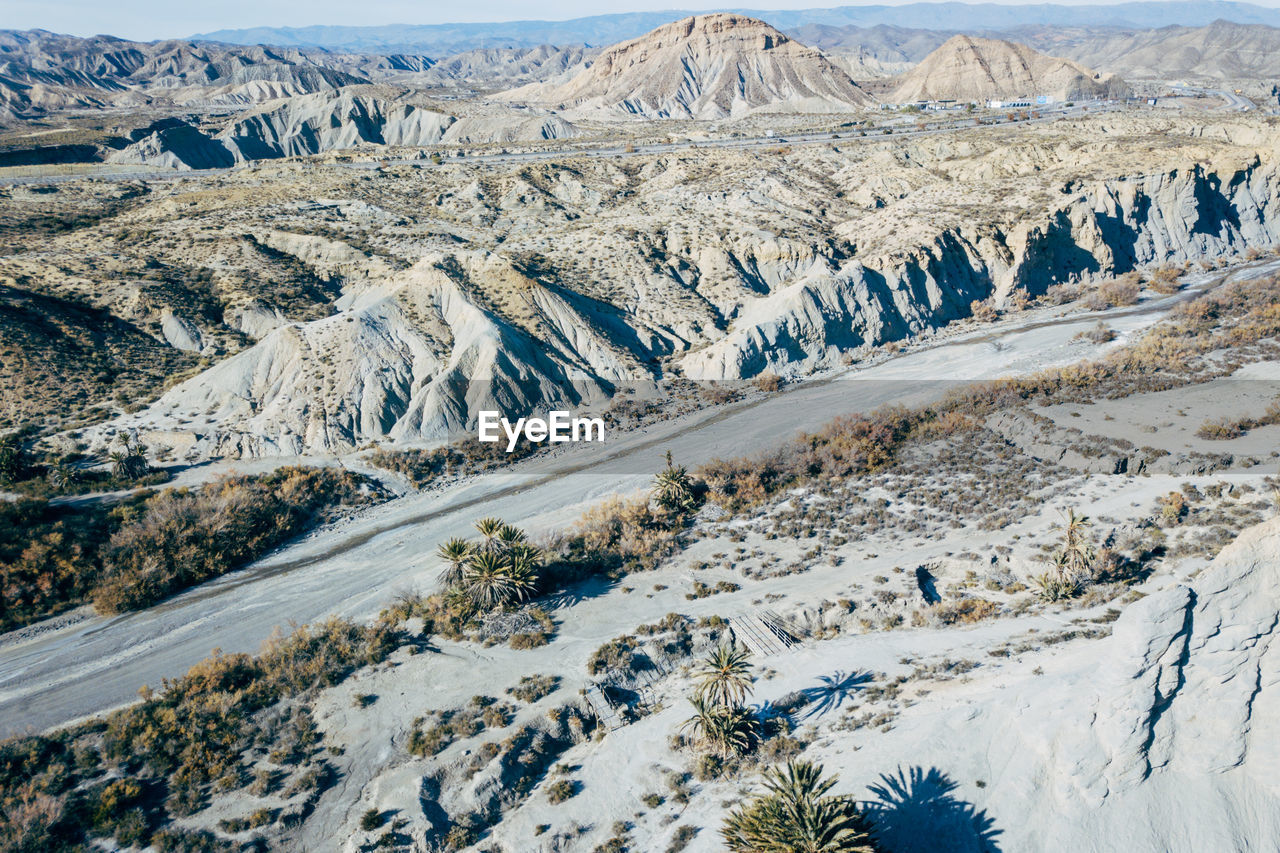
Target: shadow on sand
832, 691
914, 811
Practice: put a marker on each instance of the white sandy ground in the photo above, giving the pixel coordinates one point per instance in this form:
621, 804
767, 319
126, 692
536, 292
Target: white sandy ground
632, 761
353, 567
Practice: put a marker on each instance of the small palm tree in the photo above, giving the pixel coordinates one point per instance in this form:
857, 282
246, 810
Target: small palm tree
673, 488
797, 815
488, 529
1077, 554
455, 553
722, 730
724, 677
130, 462
62, 475
523, 562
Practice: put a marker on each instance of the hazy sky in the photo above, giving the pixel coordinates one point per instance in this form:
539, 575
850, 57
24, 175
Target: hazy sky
153, 19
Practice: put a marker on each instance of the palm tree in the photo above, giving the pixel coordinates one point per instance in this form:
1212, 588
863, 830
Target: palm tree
488, 581
488, 529
11, 463
130, 462
523, 561
673, 487
62, 475
721, 729
724, 677
797, 815
509, 536
455, 553
1077, 553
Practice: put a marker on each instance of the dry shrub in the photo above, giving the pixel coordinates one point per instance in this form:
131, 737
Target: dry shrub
1221, 429
768, 382
182, 537
983, 310
965, 611
1166, 280
467, 456
613, 538
1115, 293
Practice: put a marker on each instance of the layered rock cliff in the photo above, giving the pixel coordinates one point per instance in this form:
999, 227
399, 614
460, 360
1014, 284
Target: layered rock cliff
1100, 229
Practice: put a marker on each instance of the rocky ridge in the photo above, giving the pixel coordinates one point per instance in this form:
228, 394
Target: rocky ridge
703, 67
976, 69
341, 119
704, 306
42, 71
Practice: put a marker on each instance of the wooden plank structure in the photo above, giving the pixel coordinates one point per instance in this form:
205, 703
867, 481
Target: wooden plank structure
764, 633
602, 708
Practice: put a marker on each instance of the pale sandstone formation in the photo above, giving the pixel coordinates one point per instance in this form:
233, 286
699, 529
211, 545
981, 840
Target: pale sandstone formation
705, 67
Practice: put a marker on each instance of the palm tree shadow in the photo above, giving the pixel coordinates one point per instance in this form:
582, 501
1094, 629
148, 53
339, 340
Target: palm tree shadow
832, 691
914, 811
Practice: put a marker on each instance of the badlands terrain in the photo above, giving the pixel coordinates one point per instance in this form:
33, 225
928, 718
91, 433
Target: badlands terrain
941, 442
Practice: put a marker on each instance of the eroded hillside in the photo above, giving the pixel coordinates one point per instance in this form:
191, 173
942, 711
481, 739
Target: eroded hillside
344, 305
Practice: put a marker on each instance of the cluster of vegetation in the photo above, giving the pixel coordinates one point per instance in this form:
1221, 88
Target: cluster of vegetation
432, 734
1073, 562
461, 458
146, 547
1169, 355
534, 687
798, 814
1225, 429
1115, 293
499, 573
21, 472
503, 572
127, 775
721, 723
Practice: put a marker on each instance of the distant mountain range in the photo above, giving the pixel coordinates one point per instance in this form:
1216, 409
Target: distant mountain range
601, 30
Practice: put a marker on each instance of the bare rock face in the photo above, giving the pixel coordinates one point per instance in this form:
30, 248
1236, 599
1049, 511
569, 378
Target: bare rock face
974, 69
1105, 228
329, 121
703, 67
45, 71
412, 358
174, 144
1166, 739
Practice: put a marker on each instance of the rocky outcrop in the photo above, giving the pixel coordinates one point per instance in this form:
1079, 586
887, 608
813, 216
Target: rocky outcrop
42, 71
1100, 229
704, 67
976, 69
480, 129
333, 121
1177, 710
327, 122
174, 144
411, 359
508, 65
